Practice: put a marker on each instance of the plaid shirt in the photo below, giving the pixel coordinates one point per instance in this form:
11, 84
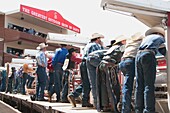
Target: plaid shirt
41, 58
90, 47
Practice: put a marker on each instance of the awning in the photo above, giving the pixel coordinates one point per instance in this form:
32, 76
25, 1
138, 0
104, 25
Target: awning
150, 12
51, 16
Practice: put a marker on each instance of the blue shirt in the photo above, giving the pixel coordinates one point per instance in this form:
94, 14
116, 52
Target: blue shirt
60, 56
152, 42
90, 47
41, 58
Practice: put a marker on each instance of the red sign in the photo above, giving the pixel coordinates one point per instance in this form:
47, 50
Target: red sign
50, 16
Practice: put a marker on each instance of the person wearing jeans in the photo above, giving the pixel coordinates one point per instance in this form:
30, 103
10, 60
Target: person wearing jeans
57, 62
41, 71
83, 88
93, 62
127, 67
146, 70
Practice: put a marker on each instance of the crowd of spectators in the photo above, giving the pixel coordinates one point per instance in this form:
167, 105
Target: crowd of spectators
31, 31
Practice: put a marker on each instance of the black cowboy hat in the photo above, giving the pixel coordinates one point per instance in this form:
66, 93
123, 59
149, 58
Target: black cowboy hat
111, 43
72, 50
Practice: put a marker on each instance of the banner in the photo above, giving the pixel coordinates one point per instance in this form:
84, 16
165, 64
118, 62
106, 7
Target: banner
49, 16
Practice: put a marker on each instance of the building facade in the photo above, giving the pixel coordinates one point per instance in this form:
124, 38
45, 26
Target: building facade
27, 27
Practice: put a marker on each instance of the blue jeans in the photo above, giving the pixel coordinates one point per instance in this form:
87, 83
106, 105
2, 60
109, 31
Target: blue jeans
85, 83
66, 74
92, 64
51, 81
3, 82
30, 81
84, 87
77, 92
24, 79
145, 80
127, 67
18, 84
41, 82
58, 73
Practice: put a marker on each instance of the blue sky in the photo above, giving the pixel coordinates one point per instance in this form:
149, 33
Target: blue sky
86, 14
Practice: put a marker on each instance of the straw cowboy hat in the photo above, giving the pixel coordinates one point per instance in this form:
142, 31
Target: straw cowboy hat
41, 46
135, 37
96, 35
155, 30
120, 38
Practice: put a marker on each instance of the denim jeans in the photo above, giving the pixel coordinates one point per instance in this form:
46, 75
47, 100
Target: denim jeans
58, 73
3, 82
30, 81
85, 83
66, 74
84, 87
10, 84
145, 80
18, 84
41, 82
127, 67
24, 79
92, 64
51, 81
77, 92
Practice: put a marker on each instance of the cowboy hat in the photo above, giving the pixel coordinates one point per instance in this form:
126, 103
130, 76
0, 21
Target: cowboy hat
111, 43
72, 50
41, 46
120, 38
135, 37
155, 30
96, 35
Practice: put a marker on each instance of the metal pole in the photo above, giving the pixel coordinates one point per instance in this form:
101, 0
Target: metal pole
168, 60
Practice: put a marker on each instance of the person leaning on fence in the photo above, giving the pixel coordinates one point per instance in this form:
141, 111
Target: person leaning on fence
72, 58
84, 87
146, 69
41, 71
57, 62
92, 62
127, 67
108, 86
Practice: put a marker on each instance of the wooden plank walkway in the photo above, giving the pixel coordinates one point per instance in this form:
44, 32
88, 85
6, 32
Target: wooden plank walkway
19, 101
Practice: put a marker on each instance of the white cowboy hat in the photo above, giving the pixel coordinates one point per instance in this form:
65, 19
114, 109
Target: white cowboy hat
119, 39
96, 35
155, 30
135, 37
41, 45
